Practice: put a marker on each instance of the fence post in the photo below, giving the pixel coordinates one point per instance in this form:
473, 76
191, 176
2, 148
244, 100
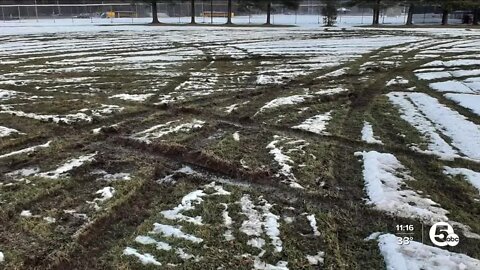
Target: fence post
3, 14
36, 10
211, 11
363, 10
19, 16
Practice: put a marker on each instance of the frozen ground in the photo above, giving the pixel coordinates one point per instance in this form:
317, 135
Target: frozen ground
178, 147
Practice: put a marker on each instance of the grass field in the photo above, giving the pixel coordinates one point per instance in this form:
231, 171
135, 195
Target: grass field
230, 148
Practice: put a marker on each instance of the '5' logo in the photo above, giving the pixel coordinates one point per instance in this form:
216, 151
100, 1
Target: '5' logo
442, 234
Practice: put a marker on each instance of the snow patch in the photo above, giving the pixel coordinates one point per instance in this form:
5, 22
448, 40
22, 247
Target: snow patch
316, 259
4, 131
471, 176
399, 80
161, 130
384, 178
146, 258
283, 160
68, 166
417, 256
469, 101
316, 124
133, 97
367, 134
176, 232
188, 203
313, 223
282, 101
26, 150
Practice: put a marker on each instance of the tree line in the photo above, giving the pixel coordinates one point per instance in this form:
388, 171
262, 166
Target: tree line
264, 5
446, 6
329, 8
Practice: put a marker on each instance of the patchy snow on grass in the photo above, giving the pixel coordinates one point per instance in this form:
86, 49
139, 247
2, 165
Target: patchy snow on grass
283, 160
451, 86
465, 73
7, 94
175, 232
431, 118
228, 222
185, 256
316, 259
4, 131
145, 259
50, 220
367, 134
68, 166
188, 203
26, 150
256, 242
429, 76
236, 136
66, 119
469, 101
133, 97
465, 135
147, 240
258, 223
252, 226
22, 173
399, 80
258, 264
471, 176
418, 256
26, 213
105, 193
169, 178
282, 101
161, 130
331, 91
271, 226
313, 223
335, 73
105, 176
473, 83
316, 124
104, 128
385, 178
453, 63
231, 108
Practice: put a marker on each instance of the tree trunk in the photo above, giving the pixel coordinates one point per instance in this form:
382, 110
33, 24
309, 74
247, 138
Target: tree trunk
229, 12
269, 12
192, 11
410, 14
376, 13
155, 13
445, 17
476, 15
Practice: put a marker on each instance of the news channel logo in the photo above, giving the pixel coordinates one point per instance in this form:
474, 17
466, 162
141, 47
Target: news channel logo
442, 235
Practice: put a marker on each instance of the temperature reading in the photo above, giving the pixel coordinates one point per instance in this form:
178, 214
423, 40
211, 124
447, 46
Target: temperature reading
404, 240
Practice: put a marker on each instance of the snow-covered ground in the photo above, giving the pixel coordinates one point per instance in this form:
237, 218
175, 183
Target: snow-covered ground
67, 24
433, 119
384, 177
417, 256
